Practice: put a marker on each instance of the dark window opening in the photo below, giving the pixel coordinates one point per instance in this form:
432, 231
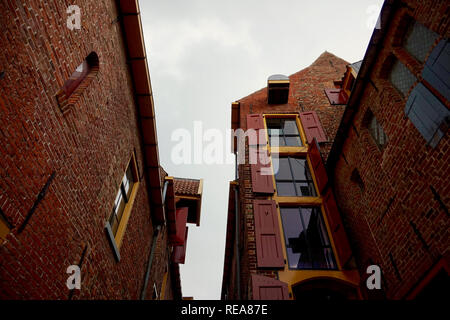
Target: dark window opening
283, 132
306, 238
376, 131
80, 73
293, 177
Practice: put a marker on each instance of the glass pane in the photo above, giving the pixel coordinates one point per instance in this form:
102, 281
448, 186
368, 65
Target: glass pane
290, 126
274, 124
317, 239
128, 181
295, 239
293, 141
284, 171
401, 77
119, 205
274, 132
286, 189
300, 169
276, 141
305, 189
419, 41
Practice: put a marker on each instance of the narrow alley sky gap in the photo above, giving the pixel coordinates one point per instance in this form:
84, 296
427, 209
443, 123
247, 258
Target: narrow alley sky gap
205, 54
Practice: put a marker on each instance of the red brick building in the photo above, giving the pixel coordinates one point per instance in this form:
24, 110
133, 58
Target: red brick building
358, 171
80, 179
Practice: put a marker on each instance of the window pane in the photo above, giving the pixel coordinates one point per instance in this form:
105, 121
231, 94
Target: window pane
306, 238
286, 189
290, 127
305, 189
119, 205
317, 238
276, 141
295, 239
128, 181
419, 41
293, 141
284, 171
401, 78
300, 169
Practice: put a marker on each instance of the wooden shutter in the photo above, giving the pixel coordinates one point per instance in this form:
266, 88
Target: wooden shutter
336, 96
179, 252
261, 172
317, 165
180, 226
265, 288
437, 68
256, 122
427, 113
338, 234
312, 127
269, 252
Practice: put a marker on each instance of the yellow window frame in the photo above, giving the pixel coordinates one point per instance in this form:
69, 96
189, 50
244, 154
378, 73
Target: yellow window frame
297, 201
129, 205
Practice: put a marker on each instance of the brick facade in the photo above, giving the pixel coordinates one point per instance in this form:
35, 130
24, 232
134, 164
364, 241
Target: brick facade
396, 221
62, 165
395, 212
306, 93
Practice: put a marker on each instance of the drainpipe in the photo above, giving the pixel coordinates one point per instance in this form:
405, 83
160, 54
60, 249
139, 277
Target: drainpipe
152, 250
236, 208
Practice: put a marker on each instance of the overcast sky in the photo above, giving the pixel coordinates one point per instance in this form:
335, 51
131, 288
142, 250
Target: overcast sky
205, 54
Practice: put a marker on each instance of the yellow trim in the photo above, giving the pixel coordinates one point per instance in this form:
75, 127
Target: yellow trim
4, 230
128, 207
200, 187
125, 216
293, 277
162, 293
187, 197
278, 81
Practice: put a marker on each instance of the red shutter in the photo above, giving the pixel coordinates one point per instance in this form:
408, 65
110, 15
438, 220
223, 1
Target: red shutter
180, 225
341, 243
179, 252
265, 288
336, 96
269, 252
256, 122
317, 165
311, 125
261, 171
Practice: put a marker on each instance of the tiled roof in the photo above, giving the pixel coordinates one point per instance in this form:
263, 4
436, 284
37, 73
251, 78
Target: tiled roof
186, 186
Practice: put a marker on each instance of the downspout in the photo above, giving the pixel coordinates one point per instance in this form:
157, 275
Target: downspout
236, 208
152, 250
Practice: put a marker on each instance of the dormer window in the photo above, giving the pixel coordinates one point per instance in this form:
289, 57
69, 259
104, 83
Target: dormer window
277, 89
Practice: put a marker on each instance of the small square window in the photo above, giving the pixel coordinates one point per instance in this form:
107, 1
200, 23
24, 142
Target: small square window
419, 40
377, 132
401, 78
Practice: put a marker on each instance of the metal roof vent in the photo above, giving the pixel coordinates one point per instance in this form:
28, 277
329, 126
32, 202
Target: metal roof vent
277, 89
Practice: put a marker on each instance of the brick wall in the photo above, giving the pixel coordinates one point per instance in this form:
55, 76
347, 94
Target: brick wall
396, 221
306, 93
87, 149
